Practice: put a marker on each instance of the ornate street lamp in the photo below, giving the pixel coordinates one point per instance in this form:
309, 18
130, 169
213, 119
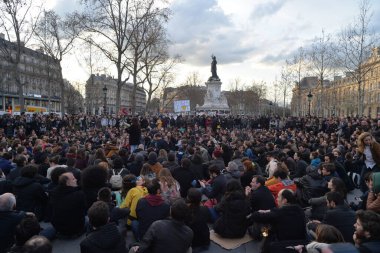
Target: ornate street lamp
309, 98
105, 99
270, 108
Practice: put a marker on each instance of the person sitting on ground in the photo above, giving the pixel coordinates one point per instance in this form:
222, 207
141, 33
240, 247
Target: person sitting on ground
271, 166
367, 231
325, 235
233, 210
154, 165
68, 206
38, 244
338, 215
287, 215
150, 208
169, 236
197, 221
373, 200
105, 237
259, 195
281, 175
116, 213
170, 188
310, 186
27, 228
184, 176
319, 205
232, 172
30, 194
171, 163
133, 196
216, 187
250, 169
9, 219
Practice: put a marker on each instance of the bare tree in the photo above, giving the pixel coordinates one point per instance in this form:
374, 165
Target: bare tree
18, 20
148, 50
299, 67
92, 61
57, 36
355, 43
320, 63
113, 24
260, 89
286, 83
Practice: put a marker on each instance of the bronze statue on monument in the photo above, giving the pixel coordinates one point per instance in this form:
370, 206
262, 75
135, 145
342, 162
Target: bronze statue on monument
214, 75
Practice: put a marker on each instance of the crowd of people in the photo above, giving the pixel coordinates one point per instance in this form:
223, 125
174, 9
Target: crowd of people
171, 179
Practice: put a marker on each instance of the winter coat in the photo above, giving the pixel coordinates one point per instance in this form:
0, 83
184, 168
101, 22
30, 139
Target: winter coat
30, 196
310, 186
68, 210
200, 216
105, 239
148, 210
343, 218
262, 199
134, 134
216, 189
9, 220
184, 177
233, 210
373, 202
287, 222
132, 198
169, 236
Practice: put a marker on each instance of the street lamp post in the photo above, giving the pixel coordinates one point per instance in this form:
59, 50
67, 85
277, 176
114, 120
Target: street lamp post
105, 99
309, 98
270, 108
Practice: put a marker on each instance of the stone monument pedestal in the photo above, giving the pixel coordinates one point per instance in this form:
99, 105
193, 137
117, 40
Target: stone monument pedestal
215, 102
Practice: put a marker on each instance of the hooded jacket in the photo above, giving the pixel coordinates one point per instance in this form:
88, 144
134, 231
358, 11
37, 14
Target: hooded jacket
105, 239
30, 196
68, 210
148, 210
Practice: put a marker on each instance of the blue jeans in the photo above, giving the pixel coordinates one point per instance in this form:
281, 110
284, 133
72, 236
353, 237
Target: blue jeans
135, 229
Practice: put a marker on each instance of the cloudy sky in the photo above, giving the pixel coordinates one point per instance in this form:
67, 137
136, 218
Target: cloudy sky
250, 38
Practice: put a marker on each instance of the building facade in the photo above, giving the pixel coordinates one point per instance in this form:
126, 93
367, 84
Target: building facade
339, 97
95, 96
37, 72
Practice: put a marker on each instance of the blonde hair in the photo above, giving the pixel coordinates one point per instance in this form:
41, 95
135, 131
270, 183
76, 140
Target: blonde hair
360, 141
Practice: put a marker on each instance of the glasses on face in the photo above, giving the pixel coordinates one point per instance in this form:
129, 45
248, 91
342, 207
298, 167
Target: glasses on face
138, 178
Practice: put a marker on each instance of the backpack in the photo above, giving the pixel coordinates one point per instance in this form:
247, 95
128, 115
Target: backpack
116, 179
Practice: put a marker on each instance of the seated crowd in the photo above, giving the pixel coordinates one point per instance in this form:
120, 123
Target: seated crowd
171, 184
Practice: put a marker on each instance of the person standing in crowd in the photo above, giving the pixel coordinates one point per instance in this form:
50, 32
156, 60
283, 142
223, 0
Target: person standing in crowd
134, 132
369, 151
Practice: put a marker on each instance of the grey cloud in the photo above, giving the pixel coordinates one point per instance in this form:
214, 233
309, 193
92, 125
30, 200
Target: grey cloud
267, 9
200, 28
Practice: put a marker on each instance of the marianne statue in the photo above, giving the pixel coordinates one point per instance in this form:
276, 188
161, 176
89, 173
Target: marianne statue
214, 75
